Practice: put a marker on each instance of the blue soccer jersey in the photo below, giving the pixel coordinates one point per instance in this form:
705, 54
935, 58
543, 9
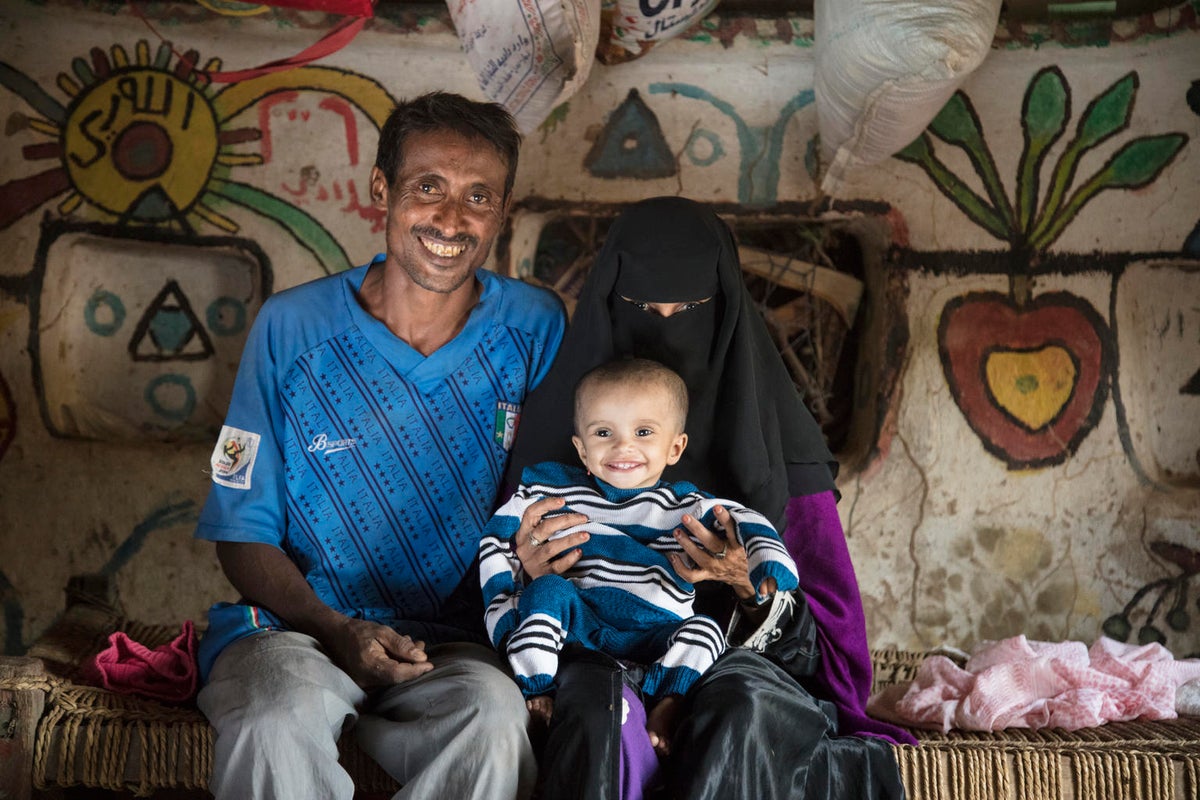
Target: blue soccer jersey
373, 467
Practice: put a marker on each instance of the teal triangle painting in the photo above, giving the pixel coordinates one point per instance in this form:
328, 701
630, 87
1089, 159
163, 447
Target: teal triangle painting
170, 330
631, 145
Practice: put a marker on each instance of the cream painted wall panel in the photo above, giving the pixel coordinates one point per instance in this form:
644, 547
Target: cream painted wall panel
1158, 340
716, 115
993, 552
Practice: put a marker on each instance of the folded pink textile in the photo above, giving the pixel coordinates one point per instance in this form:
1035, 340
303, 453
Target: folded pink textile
167, 673
1015, 683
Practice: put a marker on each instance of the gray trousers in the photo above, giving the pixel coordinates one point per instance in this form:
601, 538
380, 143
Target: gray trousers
278, 705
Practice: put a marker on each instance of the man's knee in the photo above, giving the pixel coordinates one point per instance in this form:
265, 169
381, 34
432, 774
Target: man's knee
476, 683
275, 684
496, 700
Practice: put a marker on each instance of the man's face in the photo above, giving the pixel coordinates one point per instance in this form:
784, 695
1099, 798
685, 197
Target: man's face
444, 209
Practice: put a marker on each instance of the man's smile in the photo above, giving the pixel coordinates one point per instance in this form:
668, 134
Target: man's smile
442, 249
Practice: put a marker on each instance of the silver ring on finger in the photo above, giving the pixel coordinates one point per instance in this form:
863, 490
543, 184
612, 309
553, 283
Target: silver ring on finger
535, 542
721, 555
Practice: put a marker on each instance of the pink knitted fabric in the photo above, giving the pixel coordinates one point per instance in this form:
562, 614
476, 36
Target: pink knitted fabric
167, 673
1015, 683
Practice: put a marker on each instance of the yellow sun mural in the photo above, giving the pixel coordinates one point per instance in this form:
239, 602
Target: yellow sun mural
147, 141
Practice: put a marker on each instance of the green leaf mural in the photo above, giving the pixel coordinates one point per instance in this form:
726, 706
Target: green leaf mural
1047, 108
957, 124
1057, 350
981, 213
1045, 114
1135, 165
1104, 117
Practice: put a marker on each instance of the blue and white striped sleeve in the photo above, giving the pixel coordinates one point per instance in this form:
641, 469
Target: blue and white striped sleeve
766, 555
500, 569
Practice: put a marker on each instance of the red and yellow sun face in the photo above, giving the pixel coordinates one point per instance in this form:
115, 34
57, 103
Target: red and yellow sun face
142, 141
125, 139
147, 141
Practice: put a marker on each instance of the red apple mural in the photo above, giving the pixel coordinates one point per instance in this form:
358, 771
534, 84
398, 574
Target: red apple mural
1031, 380
1031, 374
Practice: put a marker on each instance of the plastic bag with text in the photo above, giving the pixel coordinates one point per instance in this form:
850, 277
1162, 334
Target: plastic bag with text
528, 55
884, 68
629, 28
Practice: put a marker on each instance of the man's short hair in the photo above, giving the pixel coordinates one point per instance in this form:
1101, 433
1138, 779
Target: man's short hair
443, 111
635, 372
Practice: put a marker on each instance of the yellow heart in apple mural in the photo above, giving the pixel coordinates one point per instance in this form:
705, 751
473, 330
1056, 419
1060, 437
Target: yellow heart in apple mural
1033, 386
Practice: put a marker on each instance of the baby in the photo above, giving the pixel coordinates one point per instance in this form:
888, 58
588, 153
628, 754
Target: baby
622, 597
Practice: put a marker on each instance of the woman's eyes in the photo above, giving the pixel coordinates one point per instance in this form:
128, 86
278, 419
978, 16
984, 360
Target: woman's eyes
642, 305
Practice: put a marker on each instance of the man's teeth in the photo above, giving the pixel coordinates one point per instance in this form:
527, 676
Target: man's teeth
444, 250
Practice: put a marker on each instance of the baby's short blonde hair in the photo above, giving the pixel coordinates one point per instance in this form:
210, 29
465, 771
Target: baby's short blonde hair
634, 373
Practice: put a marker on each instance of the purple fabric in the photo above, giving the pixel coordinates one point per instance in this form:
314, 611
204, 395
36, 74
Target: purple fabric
639, 762
815, 539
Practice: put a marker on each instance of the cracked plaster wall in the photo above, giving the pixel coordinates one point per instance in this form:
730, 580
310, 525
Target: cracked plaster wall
951, 544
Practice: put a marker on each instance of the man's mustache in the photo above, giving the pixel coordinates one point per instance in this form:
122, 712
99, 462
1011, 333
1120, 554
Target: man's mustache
426, 232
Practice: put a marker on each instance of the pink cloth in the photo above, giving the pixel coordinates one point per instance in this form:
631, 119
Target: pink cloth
1016, 683
167, 673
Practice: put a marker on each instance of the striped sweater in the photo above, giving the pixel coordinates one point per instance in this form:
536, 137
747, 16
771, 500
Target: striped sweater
623, 574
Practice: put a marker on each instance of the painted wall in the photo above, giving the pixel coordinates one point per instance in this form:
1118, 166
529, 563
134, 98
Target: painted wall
1027, 455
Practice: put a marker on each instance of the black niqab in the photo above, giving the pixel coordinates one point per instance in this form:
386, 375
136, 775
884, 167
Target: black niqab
750, 436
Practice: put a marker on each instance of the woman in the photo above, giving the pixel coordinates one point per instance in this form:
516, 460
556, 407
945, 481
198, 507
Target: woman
667, 285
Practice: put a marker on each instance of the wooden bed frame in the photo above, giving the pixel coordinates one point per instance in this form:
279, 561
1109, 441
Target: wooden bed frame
57, 733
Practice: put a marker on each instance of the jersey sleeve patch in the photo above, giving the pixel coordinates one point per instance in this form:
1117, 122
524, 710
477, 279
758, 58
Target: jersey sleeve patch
233, 457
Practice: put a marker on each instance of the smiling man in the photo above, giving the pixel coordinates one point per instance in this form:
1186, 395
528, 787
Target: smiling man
360, 458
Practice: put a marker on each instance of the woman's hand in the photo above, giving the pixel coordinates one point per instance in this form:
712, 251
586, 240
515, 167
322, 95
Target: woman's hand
533, 546
716, 558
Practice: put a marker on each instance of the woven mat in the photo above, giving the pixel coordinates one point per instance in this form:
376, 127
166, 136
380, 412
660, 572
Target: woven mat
93, 737
96, 738
1118, 761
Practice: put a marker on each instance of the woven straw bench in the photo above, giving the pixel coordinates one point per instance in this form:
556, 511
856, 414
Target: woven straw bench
56, 733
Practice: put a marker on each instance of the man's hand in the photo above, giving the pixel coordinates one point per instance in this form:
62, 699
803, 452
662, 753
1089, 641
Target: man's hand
533, 546
375, 655
370, 653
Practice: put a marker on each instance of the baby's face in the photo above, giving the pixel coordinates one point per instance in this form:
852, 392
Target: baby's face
627, 435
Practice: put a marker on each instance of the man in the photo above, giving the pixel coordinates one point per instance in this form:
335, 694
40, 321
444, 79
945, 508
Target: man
360, 459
